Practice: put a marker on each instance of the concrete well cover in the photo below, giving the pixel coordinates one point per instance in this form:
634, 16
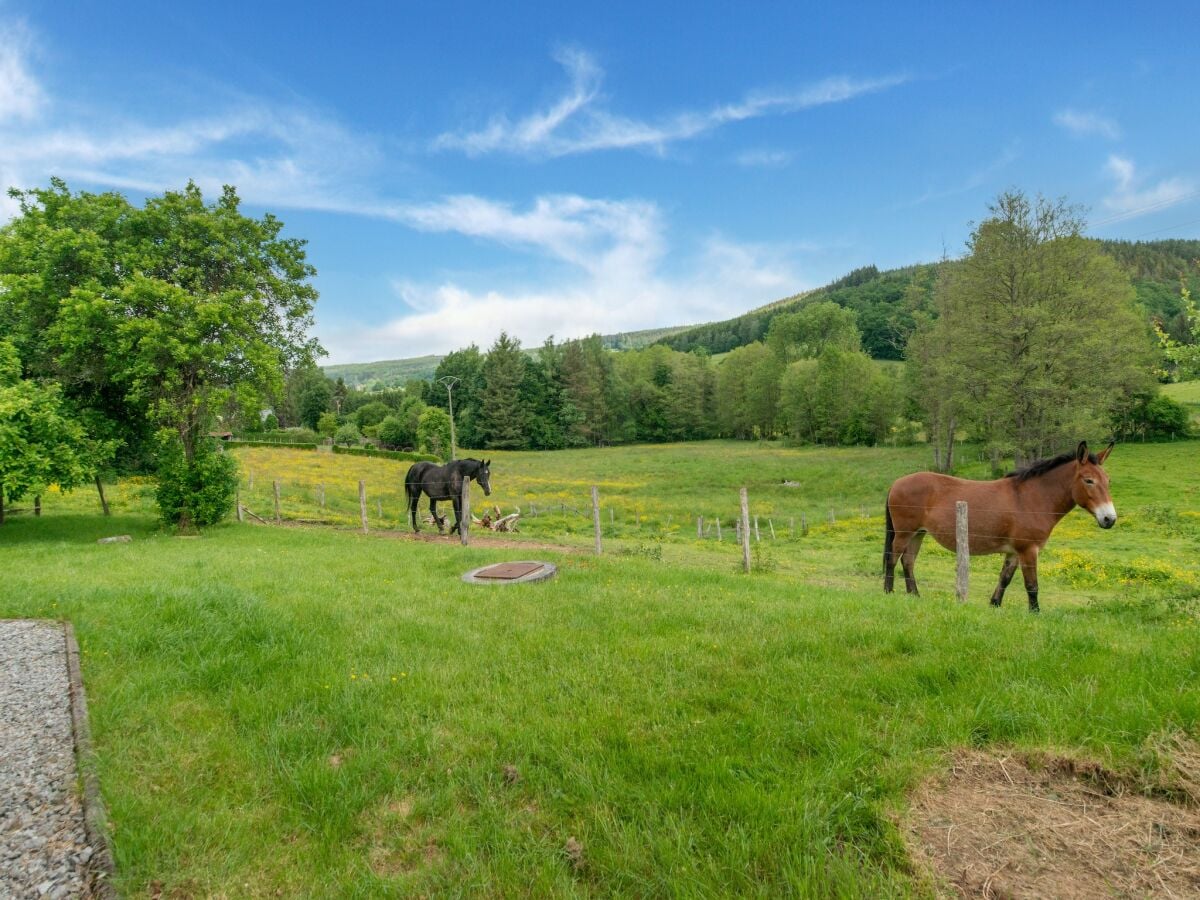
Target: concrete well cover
511, 573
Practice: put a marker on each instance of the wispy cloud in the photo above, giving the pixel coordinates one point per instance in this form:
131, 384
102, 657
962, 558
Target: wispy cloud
763, 159
1131, 197
21, 96
1086, 124
981, 177
578, 123
723, 278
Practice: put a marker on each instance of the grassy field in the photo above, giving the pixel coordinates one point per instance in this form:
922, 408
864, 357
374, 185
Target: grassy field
1187, 393
283, 711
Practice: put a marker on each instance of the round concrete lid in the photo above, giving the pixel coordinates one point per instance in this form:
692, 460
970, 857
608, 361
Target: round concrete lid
519, 572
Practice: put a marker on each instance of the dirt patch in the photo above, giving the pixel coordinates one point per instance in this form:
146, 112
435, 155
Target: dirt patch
1050, 826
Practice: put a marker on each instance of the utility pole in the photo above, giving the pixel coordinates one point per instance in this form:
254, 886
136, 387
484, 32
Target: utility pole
450, 381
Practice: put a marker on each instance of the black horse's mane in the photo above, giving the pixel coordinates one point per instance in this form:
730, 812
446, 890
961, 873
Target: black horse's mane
1042, 466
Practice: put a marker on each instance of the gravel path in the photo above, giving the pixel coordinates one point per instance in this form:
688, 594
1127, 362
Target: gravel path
44, 850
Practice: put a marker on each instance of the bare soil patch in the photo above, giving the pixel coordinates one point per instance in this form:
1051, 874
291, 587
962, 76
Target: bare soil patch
1036, 825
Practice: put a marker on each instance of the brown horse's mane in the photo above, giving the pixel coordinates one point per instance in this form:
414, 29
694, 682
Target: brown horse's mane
1042, 466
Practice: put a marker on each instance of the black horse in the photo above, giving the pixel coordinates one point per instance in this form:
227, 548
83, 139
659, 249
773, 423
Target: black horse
444, 483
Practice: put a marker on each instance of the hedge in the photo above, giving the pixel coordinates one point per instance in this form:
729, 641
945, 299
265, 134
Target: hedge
237, 442
386, 454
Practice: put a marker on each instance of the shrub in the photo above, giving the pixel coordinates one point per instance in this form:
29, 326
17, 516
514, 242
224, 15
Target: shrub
198, 493
393, 432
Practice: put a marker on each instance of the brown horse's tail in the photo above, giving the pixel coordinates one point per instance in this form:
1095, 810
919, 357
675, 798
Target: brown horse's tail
889, 535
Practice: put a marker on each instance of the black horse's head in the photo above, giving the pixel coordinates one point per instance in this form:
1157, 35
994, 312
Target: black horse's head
483, 476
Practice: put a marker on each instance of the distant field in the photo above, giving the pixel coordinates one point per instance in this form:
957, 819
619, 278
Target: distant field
1187, 393
292, 711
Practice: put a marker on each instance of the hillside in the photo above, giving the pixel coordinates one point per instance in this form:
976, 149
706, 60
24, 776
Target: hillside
880, 300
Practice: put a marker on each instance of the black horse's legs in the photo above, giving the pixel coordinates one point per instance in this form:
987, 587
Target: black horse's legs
1006, 574
457, 529
909, 561
1029, 570
433, 512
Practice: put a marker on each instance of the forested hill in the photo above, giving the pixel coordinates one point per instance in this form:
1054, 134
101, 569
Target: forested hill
884, 301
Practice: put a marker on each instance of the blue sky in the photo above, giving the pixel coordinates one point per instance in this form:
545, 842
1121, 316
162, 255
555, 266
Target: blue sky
563, 168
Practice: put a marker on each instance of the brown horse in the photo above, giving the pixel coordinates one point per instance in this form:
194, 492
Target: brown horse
1013, 515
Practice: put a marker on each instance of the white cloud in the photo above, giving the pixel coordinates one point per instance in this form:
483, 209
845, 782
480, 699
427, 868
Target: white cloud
1084, 124
628, 292
763, 159
1131, 198
21, 96
576, 124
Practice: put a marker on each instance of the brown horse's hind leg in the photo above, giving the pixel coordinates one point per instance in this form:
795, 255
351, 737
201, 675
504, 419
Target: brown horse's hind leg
907, 547
1029, 558
1006, 573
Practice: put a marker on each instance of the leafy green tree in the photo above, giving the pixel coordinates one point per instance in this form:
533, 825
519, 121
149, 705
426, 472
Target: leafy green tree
503, 416
841, 398
327, 424
394, 433
467, 366
371, 414
316, 398
1183, 356
433, 432
805, 334
175, 309
1037, 336
347, 434
40, 444
748, 392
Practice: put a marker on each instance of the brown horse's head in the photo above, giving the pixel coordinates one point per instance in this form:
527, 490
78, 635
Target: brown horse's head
1090, 487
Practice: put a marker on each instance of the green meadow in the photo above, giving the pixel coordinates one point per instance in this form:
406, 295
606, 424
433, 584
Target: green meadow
313, 711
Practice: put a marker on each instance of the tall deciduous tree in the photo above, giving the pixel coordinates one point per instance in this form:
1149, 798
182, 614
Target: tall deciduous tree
175, 307
1037, 335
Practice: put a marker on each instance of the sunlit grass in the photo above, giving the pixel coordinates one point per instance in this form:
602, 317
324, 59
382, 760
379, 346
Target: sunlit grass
317, 712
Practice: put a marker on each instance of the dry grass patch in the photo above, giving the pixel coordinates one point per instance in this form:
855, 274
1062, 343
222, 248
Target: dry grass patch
1028, 825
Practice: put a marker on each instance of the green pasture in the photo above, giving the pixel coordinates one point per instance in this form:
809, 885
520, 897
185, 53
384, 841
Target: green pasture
311, 711
1187, 393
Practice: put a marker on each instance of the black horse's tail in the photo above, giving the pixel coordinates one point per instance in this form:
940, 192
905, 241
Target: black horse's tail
889, 538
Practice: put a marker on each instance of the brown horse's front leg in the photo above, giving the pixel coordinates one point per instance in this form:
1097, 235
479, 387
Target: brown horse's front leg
1029, 558
1006, 573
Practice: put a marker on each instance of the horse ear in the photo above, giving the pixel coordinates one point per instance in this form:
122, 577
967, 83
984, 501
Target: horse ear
1081, 454
1104, 453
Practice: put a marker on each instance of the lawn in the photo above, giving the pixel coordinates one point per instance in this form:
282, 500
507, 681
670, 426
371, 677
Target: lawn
283, 711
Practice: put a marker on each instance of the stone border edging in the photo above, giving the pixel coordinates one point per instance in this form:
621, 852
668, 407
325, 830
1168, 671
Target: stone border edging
95, 819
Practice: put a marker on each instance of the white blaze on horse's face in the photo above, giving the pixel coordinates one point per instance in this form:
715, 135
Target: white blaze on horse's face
1091, 487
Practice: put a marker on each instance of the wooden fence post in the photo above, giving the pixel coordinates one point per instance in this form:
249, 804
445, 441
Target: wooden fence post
237, 500
362, 505
37, 505
718, 530
596, 515
962, 551
803, 525
757, 536
464, 521
771, 525
100, 491
699, 526
278, 517
745, 529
